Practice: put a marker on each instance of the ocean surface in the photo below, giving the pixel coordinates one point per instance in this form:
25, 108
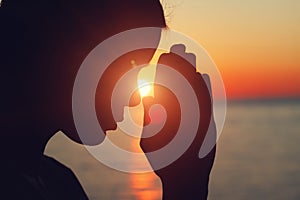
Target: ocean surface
258, 157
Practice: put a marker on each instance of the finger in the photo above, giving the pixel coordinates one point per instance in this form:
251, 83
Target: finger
166, 99
202, 91
210, 139
176, 60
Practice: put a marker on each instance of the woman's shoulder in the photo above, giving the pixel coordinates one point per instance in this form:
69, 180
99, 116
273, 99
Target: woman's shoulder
60, 179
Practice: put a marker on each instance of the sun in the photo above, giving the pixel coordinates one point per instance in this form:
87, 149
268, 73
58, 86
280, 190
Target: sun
144, 87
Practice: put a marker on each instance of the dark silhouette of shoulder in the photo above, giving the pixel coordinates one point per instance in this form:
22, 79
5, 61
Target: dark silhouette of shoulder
51, 180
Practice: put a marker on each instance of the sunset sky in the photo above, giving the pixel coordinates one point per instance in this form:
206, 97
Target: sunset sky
255, 44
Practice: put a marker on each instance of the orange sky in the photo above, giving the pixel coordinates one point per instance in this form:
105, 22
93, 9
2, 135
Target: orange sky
255, 44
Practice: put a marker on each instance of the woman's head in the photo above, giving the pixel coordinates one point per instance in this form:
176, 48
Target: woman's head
43, 44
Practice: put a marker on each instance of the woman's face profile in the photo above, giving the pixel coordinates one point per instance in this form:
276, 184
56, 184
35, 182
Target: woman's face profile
52, 39
154, 17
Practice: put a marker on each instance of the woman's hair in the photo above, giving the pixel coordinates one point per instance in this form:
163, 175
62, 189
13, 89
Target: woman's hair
43, 43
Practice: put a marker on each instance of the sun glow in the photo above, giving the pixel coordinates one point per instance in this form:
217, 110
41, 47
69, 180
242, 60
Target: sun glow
146, 76
144, 87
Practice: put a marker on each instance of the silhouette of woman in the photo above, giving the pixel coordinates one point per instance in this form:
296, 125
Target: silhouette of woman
43, 43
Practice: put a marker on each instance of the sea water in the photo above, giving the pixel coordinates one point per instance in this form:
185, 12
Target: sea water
258, 157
